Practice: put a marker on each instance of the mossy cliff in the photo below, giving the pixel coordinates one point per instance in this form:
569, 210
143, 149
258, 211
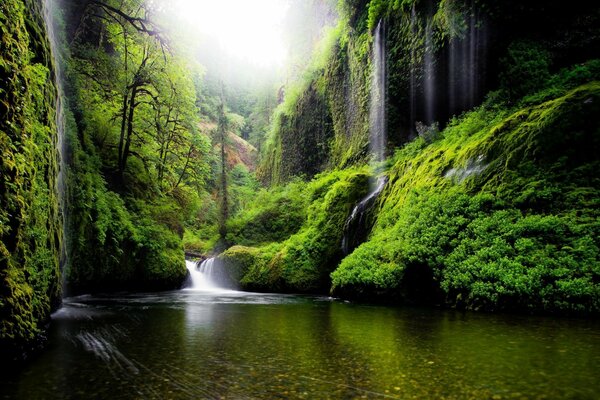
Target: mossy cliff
501, 213
498, 212
125, 225
492, 199
309, 220
30, 226
441, 58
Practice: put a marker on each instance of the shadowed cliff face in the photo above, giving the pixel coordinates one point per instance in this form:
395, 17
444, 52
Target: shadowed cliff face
441, 59
30, 227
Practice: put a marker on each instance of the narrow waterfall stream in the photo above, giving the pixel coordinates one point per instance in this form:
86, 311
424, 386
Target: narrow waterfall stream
61, 143
377, 111
357, 225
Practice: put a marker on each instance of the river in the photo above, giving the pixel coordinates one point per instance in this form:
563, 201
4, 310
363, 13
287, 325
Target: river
196, 344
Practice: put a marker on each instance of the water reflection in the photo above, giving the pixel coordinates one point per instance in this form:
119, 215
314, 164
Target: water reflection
241, 345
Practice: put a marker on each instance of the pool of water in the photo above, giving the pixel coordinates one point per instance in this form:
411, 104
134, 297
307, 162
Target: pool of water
233, 345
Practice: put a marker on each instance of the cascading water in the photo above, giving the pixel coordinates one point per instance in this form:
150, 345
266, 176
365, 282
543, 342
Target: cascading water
430, 76
413, 76
377, 111
466, 64
357, 226
207, 276
61, 145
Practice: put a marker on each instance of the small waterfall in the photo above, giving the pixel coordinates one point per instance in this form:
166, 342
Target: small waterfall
377, 112
473, 167
61, 144
357, 226
207, 276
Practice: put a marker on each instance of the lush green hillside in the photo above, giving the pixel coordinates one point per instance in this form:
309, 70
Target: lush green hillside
497, 210
499, 213
442, 58
488, 112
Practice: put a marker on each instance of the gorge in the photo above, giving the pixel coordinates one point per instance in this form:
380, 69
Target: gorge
308, 199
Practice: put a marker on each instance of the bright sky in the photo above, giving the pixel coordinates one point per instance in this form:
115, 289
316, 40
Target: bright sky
249, 29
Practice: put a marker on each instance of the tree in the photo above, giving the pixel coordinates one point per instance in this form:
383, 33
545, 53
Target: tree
222, 133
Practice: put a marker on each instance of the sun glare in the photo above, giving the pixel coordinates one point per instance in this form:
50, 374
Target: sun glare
247, 29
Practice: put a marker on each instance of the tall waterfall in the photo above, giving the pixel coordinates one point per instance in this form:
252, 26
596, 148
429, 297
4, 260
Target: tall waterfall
208, 276
61, 144
377, 112
357, 226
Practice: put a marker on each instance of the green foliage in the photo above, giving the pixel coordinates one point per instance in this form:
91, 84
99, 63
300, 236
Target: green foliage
138, 161
305, 224
30, 226
516, 233
256, 266
376, 9
271, 216
299, 140
160, 251
526, 68
565, 79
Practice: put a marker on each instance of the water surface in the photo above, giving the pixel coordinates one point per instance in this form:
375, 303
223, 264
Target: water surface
233, 345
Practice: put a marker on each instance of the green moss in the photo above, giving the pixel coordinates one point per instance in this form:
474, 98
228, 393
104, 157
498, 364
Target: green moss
30, 228
277, 213
516, 234
307, 254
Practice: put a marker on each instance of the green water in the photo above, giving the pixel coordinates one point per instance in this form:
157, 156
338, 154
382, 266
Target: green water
232, 345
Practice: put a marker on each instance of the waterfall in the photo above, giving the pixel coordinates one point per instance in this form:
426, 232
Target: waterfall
467, 54
357, 225
377, 112
61, 145
413, 75
208, 276
430, 75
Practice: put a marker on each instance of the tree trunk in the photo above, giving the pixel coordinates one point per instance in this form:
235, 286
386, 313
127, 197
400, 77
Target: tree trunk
123, 125
224, 197
129, 133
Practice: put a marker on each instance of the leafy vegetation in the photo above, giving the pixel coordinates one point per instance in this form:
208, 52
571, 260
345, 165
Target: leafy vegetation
138, 159
492, 200
517, 234
313, 234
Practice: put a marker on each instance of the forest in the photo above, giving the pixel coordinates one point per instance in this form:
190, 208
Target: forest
421, 158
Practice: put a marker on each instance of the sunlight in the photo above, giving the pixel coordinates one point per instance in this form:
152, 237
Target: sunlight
249, 30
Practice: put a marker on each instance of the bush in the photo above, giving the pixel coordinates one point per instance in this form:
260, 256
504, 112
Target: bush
526, 68
305, 223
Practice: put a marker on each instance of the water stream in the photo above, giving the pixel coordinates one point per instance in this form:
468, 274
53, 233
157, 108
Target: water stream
61, 143
377, 112
357, 225
193, 344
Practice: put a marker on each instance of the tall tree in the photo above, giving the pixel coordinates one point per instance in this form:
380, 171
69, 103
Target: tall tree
222, 136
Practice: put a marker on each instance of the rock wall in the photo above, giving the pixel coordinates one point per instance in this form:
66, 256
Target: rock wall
30, 227
442, 58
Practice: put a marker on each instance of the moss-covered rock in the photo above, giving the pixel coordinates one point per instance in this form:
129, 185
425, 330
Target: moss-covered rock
302, 262
499, 214
441, 58
30, 227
